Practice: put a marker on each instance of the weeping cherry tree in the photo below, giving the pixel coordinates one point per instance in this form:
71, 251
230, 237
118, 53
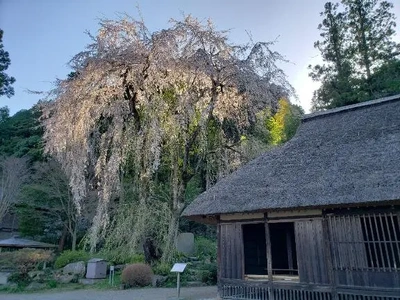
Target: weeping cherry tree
176, 101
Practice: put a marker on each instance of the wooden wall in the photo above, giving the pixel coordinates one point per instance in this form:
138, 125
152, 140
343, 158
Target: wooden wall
311, 257
342, 250
231, 258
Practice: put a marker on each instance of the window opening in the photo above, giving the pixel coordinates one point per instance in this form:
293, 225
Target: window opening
381, 233
283, 248
255, 255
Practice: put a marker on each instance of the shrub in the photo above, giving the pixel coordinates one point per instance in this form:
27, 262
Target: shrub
209, 276
69, 256
136, 258
205, 248
26, 260
162, 269
137, 275
52, 283
22, 279
120, 257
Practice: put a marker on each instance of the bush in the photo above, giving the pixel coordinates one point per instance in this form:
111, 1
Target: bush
52, 284
22, 279
209, 276
25, 260
205, 248
137, 275
136, 259
162, 269
120, 257
69, 256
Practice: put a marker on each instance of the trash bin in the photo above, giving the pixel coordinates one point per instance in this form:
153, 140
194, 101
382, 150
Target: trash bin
96, 268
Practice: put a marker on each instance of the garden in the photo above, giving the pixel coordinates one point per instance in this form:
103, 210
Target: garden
28, 269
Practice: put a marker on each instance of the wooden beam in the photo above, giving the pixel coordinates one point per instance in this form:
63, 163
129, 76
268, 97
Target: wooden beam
289, 248
219, 262
268, 249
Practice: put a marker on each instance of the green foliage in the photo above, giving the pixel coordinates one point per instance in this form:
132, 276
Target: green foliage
5, 80
162, 268
136, 258
385, 81
20, 278
105, 284
205, 248
137, 275
46, 206
52, 284
356, 43
4, 113
209, 275
21, 135
283, 124
69, 256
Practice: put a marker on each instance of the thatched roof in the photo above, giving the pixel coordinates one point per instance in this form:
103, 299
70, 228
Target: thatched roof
339, 157
16, 242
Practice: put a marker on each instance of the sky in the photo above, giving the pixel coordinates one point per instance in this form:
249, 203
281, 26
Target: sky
41, 36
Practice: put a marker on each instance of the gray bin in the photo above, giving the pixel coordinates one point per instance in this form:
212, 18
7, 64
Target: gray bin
96, 268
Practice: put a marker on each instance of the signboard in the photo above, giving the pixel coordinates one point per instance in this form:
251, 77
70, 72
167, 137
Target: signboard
178, 267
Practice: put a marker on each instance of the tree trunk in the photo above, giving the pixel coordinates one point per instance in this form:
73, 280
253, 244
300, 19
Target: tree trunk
61, 242
73, 238
169, 247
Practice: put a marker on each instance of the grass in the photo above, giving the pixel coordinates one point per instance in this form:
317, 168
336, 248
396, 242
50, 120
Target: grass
105, 284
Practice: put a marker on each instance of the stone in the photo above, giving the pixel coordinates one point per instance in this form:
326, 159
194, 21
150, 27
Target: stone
34, 286
158, 280
185, 243
77, 268
67, 278
4, 277
38, 276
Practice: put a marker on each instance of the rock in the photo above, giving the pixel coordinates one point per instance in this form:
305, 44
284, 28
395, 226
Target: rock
67, 278
38, 276
77, 268
158, 280
4, 277
185, 243
34, 286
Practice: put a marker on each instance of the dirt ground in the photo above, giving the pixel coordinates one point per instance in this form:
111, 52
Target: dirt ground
193, 293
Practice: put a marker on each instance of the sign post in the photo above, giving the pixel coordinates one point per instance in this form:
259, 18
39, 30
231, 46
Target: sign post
178, 268
112, 274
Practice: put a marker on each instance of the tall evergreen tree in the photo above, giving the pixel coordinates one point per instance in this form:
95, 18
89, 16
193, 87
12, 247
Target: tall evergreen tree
357, 41
371, 25
335, 72
5, 80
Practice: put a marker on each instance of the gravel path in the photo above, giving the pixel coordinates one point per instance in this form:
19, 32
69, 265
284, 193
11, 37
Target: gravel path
193, 293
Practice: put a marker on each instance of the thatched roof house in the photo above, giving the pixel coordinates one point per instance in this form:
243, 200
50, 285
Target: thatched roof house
348, 155
317, 218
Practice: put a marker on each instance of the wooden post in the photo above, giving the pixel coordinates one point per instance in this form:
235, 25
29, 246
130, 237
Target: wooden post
218, 253
269, 258
289, 249
268, 249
